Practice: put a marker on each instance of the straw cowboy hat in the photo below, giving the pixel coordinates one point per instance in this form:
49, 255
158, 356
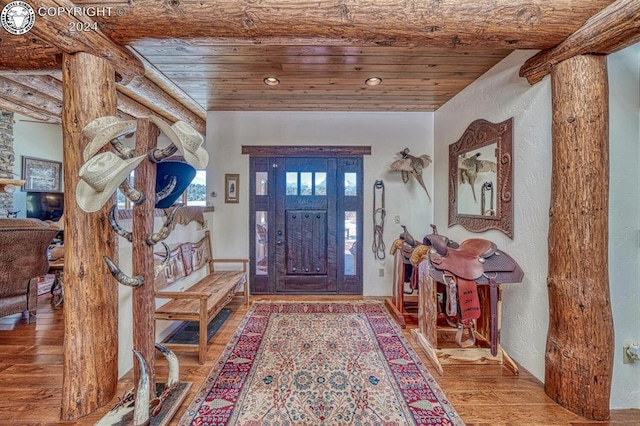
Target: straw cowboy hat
184, 174
102, 130
187, 139
99, 178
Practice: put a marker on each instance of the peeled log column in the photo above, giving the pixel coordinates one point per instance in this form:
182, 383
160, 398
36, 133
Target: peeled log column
579, 354
144, 325
90, 352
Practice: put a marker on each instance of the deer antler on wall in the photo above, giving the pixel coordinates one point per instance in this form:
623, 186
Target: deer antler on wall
410, 165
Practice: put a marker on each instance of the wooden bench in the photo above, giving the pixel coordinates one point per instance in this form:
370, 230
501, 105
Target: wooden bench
202, 301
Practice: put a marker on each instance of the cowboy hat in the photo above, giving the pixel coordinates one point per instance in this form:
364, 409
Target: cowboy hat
166, 171
187, 139
102, 130
99, 178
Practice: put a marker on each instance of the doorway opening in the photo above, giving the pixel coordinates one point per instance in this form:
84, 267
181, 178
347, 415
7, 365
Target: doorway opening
306, 222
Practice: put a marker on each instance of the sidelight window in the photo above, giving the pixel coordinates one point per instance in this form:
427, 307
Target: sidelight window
351, 244
262, 248
350, 184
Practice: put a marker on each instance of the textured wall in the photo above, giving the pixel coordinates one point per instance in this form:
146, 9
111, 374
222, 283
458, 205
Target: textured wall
501, 94
7, 158
386, 133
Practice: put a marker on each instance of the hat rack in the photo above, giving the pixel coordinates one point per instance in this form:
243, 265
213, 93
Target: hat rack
143, 238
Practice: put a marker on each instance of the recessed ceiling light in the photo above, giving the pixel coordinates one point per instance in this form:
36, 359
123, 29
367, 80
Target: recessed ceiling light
373, 81
271, 81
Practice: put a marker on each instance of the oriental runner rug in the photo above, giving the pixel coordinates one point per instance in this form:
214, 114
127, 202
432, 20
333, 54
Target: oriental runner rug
317, 364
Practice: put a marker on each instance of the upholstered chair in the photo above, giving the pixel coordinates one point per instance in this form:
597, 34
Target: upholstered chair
23, 258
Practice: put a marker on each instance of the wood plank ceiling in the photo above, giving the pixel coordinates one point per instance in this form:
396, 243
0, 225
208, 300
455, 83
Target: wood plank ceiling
201, 56
326, 78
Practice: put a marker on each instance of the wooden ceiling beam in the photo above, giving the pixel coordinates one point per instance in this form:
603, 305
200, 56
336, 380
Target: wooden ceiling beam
161, 102
61, 31
127, 108
28, 54
30, 98
608, 31
509, 24
56, 36
21, 108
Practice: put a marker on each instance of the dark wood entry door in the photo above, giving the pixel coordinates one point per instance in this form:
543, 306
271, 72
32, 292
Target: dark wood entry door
306, 221
306, 225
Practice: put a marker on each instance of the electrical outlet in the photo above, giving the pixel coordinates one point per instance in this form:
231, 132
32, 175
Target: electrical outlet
398, 220
381, 272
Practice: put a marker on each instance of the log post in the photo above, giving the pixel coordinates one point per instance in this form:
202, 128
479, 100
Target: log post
144, 329
580, 341
90, 352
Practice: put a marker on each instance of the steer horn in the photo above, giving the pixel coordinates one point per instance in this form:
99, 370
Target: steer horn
173, 380
158, 268
128, 235
164, 232
157, 155
167, 190
123, 151
135, 196
121, 277
141, 408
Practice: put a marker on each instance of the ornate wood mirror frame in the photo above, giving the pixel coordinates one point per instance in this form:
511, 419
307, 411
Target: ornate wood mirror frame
481, 177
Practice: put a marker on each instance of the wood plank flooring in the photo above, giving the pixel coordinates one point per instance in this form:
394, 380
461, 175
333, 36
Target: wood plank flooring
31, 379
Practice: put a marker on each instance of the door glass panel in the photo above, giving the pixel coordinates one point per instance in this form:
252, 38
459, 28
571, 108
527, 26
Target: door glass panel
292, 183
321, 183
351, 244
262, 254
306, 183
350, 185
262, 181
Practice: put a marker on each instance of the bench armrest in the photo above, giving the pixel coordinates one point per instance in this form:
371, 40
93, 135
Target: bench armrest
244, 262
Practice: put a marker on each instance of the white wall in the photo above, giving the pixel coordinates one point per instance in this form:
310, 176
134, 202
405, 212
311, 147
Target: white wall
192, 232
501, 94
624, 219
386, 133
33, 139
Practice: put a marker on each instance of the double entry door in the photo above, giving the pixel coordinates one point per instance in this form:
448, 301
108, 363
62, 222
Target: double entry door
306, 225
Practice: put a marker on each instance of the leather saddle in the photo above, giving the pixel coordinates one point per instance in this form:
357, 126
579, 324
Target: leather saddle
473, 262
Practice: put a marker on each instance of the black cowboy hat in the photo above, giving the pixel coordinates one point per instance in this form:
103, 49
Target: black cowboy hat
167, 170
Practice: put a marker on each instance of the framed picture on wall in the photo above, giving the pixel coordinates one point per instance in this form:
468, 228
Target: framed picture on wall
41, 175
231, 188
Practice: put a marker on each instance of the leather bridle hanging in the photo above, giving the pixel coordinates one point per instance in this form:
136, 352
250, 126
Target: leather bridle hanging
378, 221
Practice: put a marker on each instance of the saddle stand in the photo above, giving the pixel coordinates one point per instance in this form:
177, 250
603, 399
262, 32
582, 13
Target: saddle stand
465, 272
403, 306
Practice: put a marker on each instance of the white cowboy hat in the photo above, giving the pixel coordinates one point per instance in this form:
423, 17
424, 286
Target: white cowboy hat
99, 178
187, 139
102, 130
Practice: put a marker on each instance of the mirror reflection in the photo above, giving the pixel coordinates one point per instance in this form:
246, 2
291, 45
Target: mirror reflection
481, 177
478, 180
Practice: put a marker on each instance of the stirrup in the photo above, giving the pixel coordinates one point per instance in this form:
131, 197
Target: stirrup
451, 305
471, 338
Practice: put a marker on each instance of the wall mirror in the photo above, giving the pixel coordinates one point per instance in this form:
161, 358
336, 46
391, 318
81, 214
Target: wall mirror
481, 177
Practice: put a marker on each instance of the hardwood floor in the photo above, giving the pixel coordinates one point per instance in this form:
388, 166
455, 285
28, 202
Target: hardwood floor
31, 379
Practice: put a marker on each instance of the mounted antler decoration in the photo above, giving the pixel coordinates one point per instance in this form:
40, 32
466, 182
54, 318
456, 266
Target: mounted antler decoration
410, 165
164, 232
127, 235
121, 277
